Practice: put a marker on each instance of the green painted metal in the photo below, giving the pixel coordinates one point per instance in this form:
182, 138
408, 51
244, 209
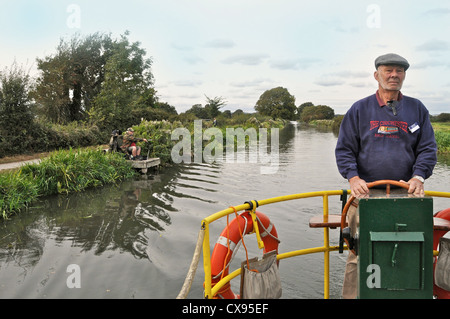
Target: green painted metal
395, 247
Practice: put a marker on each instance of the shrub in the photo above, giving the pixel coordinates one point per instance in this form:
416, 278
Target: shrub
17, 190
44, 137
61, 172
443, 141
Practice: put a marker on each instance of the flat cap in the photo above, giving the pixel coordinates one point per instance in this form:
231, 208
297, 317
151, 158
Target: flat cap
391, 59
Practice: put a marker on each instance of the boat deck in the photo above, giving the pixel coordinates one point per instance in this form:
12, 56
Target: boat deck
144, 165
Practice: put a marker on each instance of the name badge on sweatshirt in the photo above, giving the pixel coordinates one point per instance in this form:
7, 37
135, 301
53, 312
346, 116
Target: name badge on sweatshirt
414, 127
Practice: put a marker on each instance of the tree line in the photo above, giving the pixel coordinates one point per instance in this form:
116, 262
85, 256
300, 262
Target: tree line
274, 103
93, 84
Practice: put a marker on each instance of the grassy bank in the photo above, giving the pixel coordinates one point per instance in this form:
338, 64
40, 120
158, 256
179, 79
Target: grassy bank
60, 172
333, 124
442, 134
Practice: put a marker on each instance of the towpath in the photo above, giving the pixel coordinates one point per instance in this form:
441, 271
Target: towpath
14, 165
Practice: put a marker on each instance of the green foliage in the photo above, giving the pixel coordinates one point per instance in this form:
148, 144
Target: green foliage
186, 117
277, 103
72, 77
441, 127
158, 133
319, 112
95, 78
443, 117
443, 141
337, 122
16, 192
210, 110
44, 137
214, 105
334, 124
76, 170
442, 135
301, 107
199, 112
127, 85
61, 172
16, 114
166, 107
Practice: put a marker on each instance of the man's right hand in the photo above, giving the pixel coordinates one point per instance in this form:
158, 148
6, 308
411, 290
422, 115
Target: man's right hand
358, 186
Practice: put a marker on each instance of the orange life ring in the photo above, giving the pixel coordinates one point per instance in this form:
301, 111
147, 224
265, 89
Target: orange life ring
437, 234
230, 238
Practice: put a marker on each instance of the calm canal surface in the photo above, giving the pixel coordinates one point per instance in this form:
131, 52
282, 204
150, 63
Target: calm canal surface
136, 239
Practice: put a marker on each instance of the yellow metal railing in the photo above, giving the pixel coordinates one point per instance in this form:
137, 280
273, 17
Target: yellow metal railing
326, 248
204, 241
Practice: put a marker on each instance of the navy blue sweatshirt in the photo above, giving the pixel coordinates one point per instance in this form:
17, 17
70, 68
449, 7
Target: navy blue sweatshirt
375, 144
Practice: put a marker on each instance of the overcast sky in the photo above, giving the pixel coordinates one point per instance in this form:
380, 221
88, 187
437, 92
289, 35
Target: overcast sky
321, 51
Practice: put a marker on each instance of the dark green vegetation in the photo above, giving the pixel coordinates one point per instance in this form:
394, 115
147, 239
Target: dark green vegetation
161, 143
442, 134
62, 172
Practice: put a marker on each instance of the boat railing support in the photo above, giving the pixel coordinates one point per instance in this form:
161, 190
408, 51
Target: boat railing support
210, 291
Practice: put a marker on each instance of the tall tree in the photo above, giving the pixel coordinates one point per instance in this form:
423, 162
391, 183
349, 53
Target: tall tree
72, 77
301, 107
277, 103
214, 105
16, 114
199, 111
128, 83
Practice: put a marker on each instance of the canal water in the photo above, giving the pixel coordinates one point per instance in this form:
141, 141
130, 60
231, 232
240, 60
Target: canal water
136, 239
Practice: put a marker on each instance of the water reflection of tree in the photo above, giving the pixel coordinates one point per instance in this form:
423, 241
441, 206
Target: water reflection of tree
19, 245
287, 135
119, 218
129, 217
108, 218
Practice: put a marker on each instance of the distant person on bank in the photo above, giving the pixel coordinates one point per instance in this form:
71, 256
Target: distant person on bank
129, 144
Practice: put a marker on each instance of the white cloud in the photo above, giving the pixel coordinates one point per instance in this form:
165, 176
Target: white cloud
437, 12
250, 83
246, 59
193, 59
220, 44
181, 47
351, 74
362, 84
189, 83
434, 45
431, 63
329, 82
294, 64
